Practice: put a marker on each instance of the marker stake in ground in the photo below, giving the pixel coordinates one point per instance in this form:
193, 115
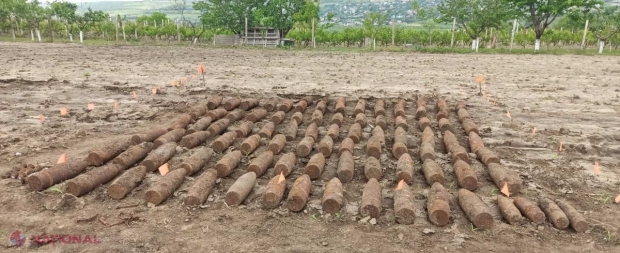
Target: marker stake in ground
596, 169
63, 111
62, 159
164, 169
505, 190
41, 118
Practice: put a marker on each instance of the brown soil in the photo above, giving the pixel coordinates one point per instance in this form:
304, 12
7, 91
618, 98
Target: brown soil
572, 100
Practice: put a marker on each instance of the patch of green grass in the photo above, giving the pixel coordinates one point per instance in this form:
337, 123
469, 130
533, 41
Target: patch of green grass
473, 229
314, 216
54, 189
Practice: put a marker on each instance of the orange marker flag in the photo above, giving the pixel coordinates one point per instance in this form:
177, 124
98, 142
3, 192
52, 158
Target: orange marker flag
154, 90
618, 199
41, 118
62, 158
505, 190
201, 69
134, 94
193, 77
400, 185
163, 170
508, 114
534, 131
560, 147
495, 102
282, 178
91, 106
63, 111
596, 169
115, 105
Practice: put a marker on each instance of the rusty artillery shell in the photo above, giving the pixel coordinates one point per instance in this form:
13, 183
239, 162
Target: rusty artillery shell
346, 167
509, 210
321, 106
399, 108
401, 121
159, 156
248, 104
441, 103
244, 129
577, 221
404, 168
433, 172
428, 136
355, 132
346, 145
378, 132
459, 153
218, 127
223, 142
257, 114
235, 115
315, 166
360, 107
450, 141
196, 161
149, 136
444, 125
500, 175
333, 131
340, 104
372, 168
227, 163
424, 122
463, 114
487, 156
476, 210
194, 139
326, 146
379, 108
420, 112
438, 205
470, 126
427, 152
201, 188
460, 105
124, 184
214, 102
250, 144
442, 113
133, 155
240, 189
373, 147
475, 142
337, 119
106, 153
270, 105
317, 117
371, 199
465, 175
197, 111
361, 119
261, 163
530, 210
274, 192
398, 149
86, 182
200, 125
232, 103
290, 132
305, 146
404, 209
380, 121
312, 131
420, 102
400, 135
267, 130
298, 196
285, 105
172, 136
278, 117
217, 114
285, 164
277, 143
165, 187
555, 214
301, 106
298, 117
181, 122
332, 197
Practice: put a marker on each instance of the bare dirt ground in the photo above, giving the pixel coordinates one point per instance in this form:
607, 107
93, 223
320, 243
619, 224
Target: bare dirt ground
573, 100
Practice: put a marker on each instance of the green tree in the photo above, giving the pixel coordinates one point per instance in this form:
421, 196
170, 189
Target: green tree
65, 11
373, 23
475, 16
227, 14
605, 24
543, 12
90, 17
